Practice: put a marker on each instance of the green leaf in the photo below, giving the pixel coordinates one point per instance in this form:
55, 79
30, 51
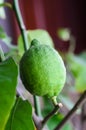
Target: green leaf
39, 34
76, 64
21, 116
80, 82
68, 126
2, 12
83, 55
8, 82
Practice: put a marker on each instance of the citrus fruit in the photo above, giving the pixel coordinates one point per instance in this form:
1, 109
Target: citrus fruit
42, 70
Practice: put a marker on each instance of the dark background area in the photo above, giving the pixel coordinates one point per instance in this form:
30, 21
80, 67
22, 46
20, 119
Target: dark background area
50, 15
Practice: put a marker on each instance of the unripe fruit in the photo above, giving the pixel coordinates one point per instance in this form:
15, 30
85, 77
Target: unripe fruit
42, 70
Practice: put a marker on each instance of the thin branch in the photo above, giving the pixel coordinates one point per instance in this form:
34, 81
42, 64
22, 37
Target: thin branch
70, 114
41, 123
83, 116
54, 111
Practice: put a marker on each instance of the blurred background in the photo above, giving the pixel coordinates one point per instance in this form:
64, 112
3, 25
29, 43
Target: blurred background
50, 15
65, 20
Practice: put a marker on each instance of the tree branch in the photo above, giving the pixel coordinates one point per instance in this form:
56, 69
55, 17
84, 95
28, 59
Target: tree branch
41, 123
70, 114
54, 111
83, 116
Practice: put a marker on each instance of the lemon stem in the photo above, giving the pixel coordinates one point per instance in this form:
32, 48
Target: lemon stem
25, 41
54, 100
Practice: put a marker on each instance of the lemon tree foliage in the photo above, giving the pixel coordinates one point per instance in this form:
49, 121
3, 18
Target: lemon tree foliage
42, 70
21, 116
41, 35
77, 65
80, 82
8, 82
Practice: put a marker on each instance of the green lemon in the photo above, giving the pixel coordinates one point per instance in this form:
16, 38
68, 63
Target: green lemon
42, 70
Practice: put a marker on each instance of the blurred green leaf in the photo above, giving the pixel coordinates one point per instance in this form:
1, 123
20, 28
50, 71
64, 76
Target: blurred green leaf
76, 64
83, 55
63, 34
80, 82
2, 12
41, 35
8, 82
21, 116
68, 126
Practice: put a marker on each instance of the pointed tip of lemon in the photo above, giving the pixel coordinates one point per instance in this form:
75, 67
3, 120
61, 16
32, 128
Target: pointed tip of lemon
54, 100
